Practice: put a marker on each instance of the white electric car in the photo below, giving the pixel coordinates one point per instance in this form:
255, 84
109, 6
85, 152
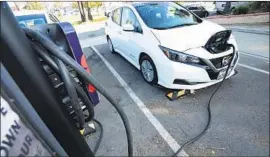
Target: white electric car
170, 45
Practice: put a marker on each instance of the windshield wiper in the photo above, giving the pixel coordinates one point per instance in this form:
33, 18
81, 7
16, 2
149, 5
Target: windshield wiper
181, 25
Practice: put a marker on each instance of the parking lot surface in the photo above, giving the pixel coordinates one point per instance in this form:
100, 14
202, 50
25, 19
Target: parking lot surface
240, 109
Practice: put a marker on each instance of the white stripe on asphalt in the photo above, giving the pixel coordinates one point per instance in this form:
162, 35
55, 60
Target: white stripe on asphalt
252, 55
162, 131
252, 68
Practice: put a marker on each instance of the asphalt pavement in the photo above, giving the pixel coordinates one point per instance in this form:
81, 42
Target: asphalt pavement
240, 110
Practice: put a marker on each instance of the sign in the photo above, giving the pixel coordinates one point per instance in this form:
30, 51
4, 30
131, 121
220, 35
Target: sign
16, 138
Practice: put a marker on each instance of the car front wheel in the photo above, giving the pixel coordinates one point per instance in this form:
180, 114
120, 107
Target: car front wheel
148, 70
110, 45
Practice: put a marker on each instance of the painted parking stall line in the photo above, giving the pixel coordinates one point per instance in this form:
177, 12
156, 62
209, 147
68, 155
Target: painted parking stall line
253, 55
252, 68
162, 131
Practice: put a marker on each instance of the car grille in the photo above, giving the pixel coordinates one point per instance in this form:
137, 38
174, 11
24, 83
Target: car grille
217, 62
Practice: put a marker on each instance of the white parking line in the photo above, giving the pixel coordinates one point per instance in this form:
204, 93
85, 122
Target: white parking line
252, 68
162, 131
252, 55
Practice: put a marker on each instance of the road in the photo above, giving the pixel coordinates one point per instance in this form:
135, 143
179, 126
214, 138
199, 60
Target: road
240, 110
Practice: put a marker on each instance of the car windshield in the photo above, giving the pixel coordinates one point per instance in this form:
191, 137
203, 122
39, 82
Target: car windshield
165, 15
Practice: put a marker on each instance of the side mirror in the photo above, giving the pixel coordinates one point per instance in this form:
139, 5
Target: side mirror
128, 27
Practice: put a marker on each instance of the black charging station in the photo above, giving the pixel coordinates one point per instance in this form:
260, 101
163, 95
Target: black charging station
26, 70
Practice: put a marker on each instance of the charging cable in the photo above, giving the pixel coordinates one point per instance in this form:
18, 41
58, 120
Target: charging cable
63, 57
206, 128
52, 48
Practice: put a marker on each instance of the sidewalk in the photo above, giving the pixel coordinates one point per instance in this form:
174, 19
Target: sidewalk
248, 19
258, 28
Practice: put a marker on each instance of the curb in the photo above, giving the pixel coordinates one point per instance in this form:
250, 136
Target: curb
234, 16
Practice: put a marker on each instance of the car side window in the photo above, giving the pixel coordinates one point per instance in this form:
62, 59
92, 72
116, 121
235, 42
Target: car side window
116, 16
201, 8
193, 8
128, 17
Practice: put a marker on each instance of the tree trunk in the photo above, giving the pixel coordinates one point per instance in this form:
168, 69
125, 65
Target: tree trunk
82, 12
18, 9
227, 7
90, 17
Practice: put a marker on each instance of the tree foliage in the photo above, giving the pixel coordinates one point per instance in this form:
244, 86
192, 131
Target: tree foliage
86, 5
74, 5
33, 6
180, 2
240, 10
92, 4
89, 6
57, 4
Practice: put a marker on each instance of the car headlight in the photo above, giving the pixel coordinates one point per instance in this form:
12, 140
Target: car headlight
179, 56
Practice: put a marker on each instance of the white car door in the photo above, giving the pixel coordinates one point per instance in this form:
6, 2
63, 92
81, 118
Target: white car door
131, 39
115, 28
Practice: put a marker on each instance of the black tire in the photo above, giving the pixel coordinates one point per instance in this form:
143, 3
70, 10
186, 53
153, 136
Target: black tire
155, 79
206, 14
110, 41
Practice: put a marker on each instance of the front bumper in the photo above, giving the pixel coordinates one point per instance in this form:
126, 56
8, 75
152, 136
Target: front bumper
175, 75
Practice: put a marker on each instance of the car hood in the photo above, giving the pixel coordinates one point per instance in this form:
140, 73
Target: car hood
187, 37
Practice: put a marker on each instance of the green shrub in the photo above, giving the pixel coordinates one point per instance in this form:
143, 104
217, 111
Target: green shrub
240, 10
266, 6
259, 6
255, 5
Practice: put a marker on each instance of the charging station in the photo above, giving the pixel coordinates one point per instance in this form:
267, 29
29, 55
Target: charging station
25, 68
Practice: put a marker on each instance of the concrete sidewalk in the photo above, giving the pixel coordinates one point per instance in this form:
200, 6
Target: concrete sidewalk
90, 30
258, 28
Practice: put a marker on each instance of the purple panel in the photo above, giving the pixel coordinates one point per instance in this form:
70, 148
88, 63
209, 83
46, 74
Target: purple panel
75, 46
